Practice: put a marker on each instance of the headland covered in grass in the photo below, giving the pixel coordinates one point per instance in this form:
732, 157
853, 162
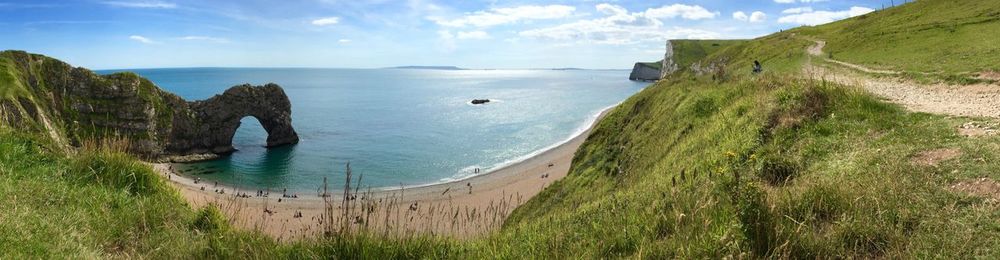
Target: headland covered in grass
720, 163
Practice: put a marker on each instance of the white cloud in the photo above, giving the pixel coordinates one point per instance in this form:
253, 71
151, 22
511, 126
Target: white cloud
473, 35
690, 12
507, 15
619, 26
141, 4
740, 15
754, 17
142, 39
797, 10
344, 41
611, 9
757, 17
785, 1
326, 21
204, 38
822, 17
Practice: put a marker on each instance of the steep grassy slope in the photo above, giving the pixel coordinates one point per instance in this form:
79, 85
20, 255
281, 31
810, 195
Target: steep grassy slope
688, 52
769, 166
776, 166
100, 204
949, 37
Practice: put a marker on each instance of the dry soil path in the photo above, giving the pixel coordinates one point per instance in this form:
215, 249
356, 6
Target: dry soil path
969, 100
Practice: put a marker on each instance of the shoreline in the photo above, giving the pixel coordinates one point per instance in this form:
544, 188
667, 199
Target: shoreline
578, 133
408, 210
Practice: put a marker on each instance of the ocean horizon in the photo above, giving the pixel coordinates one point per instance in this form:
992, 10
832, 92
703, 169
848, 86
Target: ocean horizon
398, 127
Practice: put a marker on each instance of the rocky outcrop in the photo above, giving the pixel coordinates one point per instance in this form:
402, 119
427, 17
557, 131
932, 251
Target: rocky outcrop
211, 124
76, 105
645, 72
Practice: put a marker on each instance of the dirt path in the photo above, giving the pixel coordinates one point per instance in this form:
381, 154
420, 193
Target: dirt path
970, 100
817, 50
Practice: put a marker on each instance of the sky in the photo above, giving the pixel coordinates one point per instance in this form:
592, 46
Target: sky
608, 34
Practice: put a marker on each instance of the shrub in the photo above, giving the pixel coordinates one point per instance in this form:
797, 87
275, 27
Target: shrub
209, 219
756, 220
777, 171
115, 170
821, 203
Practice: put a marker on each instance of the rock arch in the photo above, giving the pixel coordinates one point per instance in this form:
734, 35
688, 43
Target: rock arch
209, 125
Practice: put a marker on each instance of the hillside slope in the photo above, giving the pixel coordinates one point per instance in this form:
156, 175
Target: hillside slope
718, 162
934, 36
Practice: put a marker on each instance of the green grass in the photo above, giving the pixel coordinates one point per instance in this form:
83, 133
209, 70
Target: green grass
851, 191
99, 204
688, 52
934, 36
10, 80
655, 65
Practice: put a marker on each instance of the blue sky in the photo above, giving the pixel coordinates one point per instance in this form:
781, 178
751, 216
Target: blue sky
107, 34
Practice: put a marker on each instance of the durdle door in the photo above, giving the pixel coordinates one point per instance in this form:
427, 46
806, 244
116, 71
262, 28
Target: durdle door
75, 105
216, 119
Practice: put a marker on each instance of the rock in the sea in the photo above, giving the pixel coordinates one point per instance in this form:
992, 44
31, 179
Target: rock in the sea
480, 101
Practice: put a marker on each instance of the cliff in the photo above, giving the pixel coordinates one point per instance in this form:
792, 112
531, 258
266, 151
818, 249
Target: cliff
645, 71
74, 105
694, 56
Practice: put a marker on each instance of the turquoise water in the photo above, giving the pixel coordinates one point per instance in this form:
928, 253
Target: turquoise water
399, 127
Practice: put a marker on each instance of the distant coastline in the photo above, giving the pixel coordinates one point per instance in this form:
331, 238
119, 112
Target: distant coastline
460, 68
426, 68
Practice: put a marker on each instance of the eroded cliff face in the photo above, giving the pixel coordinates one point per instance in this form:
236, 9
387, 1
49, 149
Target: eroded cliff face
644, 72
74, 105
669, 66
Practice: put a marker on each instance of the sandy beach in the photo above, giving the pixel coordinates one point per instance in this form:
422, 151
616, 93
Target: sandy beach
460, 209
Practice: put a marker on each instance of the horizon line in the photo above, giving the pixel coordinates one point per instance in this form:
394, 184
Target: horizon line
355, 68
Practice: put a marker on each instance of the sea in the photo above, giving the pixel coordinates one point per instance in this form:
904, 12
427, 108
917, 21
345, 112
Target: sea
398, 127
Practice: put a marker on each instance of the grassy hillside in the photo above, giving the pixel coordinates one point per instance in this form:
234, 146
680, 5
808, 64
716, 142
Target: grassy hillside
687, 52
949, 37
769, 166
99, 204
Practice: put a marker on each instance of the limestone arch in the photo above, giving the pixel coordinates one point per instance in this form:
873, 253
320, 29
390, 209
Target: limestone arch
213, 123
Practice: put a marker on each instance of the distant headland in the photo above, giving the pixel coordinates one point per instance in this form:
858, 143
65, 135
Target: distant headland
427, 68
